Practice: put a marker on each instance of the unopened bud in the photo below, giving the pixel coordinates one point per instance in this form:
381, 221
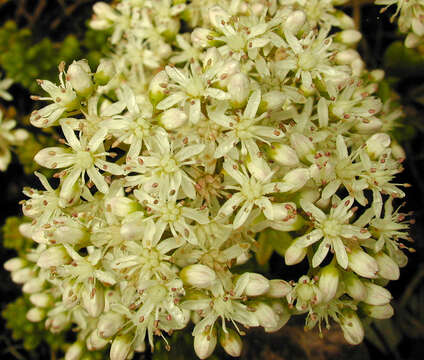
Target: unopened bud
353, 330
295, 21
284, 155
80, 78
302, 145
377, 144
216, 15
294, 253
202, 37
204, 343
253, 284
158, 87
387, 267
36, 314
41, 300
258, 167
121, 347
272, 100
93, 300
122, 206
15, 264
329, 282
345, 21
198, 275
355, 288
109, 324
380, 312
22, 275
173, 118
105, 71
283, 211
34, 285
238, 88
296, 178
265, 315
369, 126
348, 37
75, 351
95, 342
376, 294
231, 342
278, 288
412, 41
346, 57
363, 264
54, 256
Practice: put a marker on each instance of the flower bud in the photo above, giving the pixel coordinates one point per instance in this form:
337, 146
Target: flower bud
377, 144
357, 67
109, 324
283, 211
231, 342
376, 75
75, 351
80, 78
201, 37
122, 206
370, 125
36, 314
71, 233
216, 15
238, 88
198, 275
278, 288
379, 312
387, 267
93, 300
34, 285
295, 21
253, 284
355, 288
353, 330
103, 10
397, 151
105, 71
121, 347
283, 315
173, 118
348, 37
345, 21
54, 256
265, 315
329, 282
258, 167
412, 41
346, 57
294, 254
57, 323
302, 145
362, 263
22, 275
284, 155
204, 343
296, 178
41, 300
158, 86
133, 230
95, 342
376, 294
15, 264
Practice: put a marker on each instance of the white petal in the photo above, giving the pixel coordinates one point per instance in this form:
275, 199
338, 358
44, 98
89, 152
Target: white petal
252, 105
97, 179
242, 214
340, 251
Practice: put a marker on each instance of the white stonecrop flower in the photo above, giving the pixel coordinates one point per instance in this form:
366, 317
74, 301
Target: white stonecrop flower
213, 130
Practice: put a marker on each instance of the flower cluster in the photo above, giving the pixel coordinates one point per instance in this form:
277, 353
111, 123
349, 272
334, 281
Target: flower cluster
410, 21
255, 117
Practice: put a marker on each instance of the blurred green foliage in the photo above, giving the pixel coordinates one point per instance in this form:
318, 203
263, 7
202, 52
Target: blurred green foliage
31, 334
24, 60
12, 238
